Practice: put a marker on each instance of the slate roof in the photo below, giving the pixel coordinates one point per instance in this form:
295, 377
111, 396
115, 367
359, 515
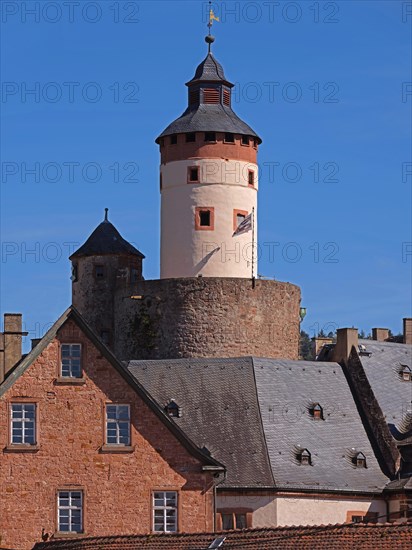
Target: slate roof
71, 313
393, 394
105, 239
209, 117
286, 391
325, 537
209, 70
252, 414
219, 409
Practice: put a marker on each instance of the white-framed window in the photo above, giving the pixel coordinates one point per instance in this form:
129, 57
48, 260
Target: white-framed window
70, 511
71, 360
165, 511
118, 424
23, 423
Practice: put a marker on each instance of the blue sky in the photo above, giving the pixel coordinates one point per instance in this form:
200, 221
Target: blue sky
325, 84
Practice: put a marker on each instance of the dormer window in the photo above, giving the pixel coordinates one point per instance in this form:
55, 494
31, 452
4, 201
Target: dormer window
210, 136
406, 373
305, 457
359, 460
172, 409
316, 411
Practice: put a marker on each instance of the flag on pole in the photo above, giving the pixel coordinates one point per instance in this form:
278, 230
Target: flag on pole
244, 226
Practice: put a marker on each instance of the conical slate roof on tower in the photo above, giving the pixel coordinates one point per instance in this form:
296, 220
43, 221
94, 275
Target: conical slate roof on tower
105, 239
209, 106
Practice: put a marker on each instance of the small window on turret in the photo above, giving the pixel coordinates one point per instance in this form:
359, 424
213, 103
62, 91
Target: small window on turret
210, 136
226, 97
245, 140
75, 275
191, 137
204, 218
173, 140
99, 271
251, 178
193, 174
229, 138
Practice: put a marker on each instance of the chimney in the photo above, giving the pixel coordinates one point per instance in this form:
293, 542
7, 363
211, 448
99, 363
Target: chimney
10, 343
346, 338
407, 330
380, 334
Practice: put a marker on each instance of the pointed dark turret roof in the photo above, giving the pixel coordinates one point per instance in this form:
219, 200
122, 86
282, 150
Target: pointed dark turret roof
209, 117
210, 70
105, 239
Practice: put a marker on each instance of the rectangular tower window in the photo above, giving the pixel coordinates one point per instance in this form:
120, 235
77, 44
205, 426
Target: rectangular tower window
210, 136
173, 140
251, 178
245, 140
229, 138
99, 271
70, 511
238, 217
226, 97
165, 511
193, 174
70, 360
205, 218
118, 424
23, 423
191, 137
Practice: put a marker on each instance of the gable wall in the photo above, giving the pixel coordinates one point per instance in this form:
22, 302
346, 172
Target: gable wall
117, 486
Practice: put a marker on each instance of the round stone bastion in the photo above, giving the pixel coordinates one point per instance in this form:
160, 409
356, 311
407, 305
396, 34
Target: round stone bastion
207, 317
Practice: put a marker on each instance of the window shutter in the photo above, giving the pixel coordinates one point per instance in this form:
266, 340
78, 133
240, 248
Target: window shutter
211, 95
226, 97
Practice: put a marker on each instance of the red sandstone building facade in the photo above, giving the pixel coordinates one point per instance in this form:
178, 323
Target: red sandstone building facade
86, 451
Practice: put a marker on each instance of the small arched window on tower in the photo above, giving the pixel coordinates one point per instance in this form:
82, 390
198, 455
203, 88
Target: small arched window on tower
172, 409
406, 373
305, 458
359, 460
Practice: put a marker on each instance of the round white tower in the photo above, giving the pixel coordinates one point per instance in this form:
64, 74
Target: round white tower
208, 184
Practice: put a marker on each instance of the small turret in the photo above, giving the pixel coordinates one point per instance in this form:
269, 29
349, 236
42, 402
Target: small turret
104, 268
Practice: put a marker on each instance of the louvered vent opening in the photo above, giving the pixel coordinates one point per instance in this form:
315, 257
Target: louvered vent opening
211, 95
194, 97
226, 97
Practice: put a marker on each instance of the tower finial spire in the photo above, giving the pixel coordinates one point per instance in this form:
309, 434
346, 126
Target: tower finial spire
212, 17
106, 214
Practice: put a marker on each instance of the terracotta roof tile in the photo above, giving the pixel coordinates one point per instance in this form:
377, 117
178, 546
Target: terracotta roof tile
324, 537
